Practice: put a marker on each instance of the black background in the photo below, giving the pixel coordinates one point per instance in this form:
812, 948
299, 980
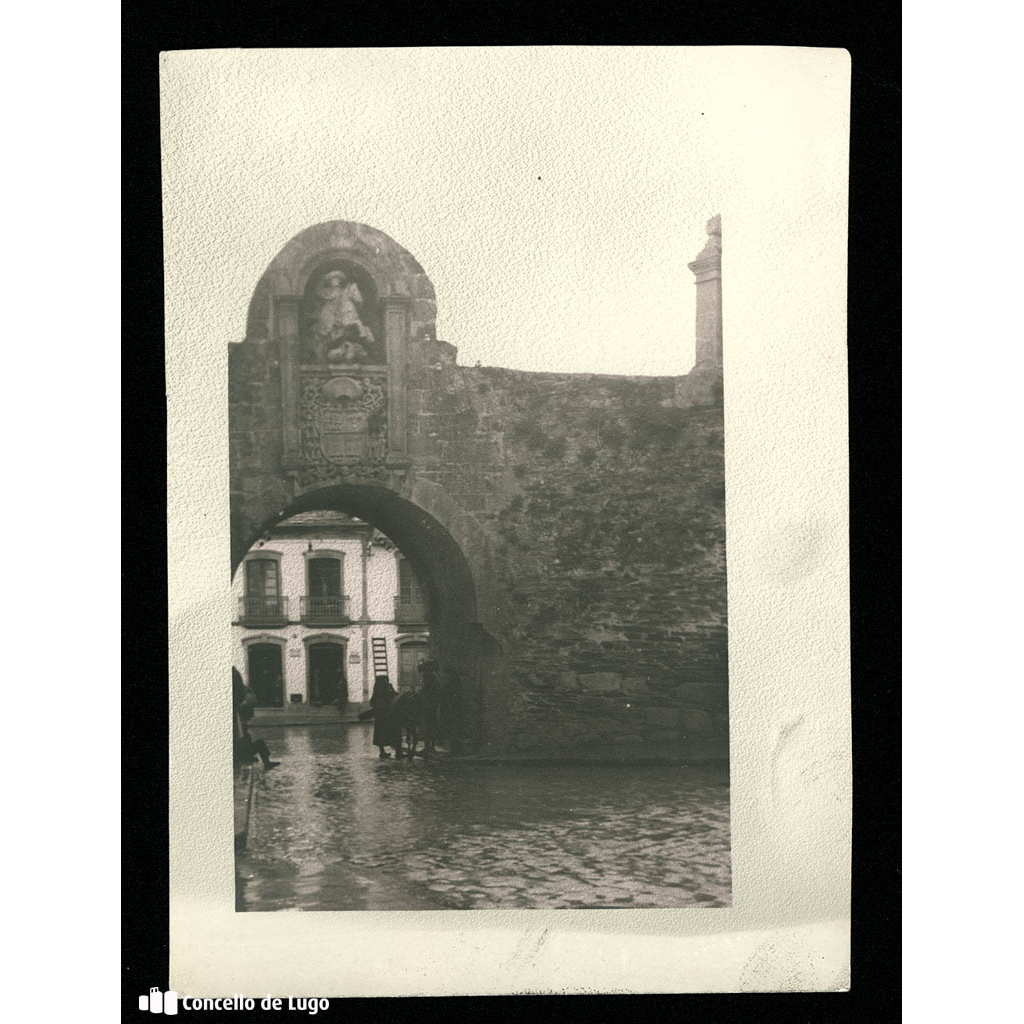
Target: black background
872, 35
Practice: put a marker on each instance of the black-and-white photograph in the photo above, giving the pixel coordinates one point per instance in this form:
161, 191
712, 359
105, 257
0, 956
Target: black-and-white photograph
507, 440
480, 634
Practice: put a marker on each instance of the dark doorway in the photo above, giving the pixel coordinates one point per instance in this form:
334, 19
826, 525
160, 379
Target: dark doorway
409, 657
265, 676
326, 673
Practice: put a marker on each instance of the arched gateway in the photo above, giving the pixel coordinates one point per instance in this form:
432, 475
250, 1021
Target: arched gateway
569, 529
468, 656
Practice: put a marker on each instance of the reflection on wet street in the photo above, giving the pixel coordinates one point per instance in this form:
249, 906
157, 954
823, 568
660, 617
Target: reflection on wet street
335, 828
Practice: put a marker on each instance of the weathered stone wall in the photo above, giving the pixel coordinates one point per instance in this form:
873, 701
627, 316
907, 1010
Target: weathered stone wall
605, 496
258, 486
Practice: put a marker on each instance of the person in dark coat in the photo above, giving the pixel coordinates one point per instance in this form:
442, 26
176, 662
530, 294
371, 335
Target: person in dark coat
387, 732
430, 705
449, 712
246, 749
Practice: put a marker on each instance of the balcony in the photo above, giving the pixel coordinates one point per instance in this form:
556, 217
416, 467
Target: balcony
263, 611
410, 613
325, 611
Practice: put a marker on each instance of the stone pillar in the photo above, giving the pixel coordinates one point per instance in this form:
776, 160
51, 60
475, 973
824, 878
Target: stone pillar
286, 313
364, 622
396, 335
707, 268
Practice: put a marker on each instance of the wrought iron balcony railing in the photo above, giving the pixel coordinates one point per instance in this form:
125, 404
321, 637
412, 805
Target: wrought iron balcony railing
407, 611
325, 611
263, 611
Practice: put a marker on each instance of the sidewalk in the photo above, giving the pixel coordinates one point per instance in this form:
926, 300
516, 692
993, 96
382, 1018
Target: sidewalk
245, 795
304, 714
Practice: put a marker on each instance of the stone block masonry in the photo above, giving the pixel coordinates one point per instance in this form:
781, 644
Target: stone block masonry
605, 498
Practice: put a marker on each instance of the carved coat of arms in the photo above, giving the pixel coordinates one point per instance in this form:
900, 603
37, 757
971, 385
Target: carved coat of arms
346, 414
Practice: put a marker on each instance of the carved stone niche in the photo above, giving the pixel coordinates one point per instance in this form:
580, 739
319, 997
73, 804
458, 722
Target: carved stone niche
340, 317
342, 300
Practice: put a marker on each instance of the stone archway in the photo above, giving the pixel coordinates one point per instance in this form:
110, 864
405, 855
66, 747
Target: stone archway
469, 657
423, 539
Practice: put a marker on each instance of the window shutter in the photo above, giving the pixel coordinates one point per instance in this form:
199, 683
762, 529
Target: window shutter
270, 579
261, 578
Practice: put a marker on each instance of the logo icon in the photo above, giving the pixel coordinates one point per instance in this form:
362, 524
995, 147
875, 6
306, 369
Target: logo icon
159, 1002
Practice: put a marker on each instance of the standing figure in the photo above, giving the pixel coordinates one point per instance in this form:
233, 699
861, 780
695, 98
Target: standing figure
408, 711
449, 712
341, 700
430, 705
246, 749
387, 732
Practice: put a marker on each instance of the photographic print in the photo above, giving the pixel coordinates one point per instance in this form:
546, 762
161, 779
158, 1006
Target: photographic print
480, 644
507, 482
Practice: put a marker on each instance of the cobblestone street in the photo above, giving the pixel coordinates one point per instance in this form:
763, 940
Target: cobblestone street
335, 828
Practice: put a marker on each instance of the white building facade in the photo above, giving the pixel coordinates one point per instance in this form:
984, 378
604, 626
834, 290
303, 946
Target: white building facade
321, 602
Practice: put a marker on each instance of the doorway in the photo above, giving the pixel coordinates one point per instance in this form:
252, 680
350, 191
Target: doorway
409, 657
266, 678
326, 662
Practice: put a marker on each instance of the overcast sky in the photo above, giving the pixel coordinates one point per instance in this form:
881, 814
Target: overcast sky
554, 196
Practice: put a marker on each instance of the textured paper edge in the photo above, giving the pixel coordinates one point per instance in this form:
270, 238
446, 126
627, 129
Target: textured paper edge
784, 290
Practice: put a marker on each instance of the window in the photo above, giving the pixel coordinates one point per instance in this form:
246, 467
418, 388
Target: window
411, 602
324, 602
262, 578
410, 590
324, 577
263, 603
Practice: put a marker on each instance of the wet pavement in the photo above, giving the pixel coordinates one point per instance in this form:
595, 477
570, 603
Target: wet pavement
335, 828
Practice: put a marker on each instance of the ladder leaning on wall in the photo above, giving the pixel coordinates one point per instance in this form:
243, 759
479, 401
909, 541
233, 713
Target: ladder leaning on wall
380, 658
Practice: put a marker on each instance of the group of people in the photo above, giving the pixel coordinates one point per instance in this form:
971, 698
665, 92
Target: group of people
415, 714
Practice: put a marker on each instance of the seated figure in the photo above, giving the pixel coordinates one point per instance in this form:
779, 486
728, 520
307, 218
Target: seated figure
339, 322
